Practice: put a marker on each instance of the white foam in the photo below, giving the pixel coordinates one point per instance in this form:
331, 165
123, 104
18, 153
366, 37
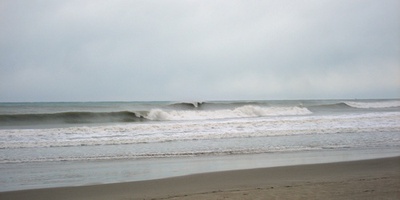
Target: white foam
158, 115
156, 132
240, 112
256, 111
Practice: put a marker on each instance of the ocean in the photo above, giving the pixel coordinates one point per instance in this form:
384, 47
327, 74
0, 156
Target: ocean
79, 143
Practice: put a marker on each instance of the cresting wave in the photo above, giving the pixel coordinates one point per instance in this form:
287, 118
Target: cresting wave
183, 111
357, 105
70, 118
153, 115
379, 104
240, 112
200, 130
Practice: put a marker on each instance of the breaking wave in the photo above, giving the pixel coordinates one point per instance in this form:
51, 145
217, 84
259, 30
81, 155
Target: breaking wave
351, 105
379, 104
154, 114
243, 111
145, 133
192, 111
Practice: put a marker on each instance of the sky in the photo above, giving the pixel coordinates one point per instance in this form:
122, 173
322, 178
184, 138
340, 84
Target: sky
157, 50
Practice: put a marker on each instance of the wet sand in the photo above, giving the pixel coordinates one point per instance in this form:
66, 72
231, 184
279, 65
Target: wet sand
366, 179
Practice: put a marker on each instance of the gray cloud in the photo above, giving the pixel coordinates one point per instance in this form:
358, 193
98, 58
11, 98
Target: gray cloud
184, 50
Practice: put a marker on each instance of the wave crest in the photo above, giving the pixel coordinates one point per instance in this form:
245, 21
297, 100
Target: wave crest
158, 115
380, 104
70, 118
257, 111
243, 111
187, 105
154, 114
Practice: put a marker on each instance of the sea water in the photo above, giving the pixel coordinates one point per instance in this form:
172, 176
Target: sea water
77, 143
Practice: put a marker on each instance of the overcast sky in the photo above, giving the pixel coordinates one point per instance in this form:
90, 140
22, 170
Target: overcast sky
93, 50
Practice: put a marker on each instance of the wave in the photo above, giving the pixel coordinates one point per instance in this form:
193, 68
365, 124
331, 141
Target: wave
187, 105
213, 105
354, 105
144, 133
191, 111
70, 118
154, 114
333, 106
379, 104
239, 112
362, 104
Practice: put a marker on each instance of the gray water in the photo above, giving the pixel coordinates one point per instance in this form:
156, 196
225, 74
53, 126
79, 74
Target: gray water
60, 144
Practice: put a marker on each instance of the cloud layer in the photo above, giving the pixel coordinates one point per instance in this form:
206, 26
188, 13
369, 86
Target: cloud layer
203, 50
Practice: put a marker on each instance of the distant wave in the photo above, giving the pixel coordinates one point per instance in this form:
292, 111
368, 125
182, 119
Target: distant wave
70, 118
187, 105
153, 115
194, 111
143, 133
379, 104
239, 112
357, 105
332, 106
200, 105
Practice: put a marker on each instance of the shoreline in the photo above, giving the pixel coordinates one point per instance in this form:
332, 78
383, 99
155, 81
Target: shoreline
42, 175
364, 179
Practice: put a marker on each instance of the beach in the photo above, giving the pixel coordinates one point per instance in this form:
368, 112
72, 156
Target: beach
209, 150
199, 100
365, 179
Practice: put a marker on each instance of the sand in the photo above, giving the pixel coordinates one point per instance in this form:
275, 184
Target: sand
367, 179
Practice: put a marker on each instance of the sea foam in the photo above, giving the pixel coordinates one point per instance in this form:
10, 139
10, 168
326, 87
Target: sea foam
239, 112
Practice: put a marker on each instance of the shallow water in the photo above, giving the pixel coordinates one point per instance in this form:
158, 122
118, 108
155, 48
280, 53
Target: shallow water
19, 176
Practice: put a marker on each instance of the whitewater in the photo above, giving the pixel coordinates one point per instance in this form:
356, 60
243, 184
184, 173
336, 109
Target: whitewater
66, 133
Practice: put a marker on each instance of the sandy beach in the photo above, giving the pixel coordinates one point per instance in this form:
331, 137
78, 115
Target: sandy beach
366, 179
